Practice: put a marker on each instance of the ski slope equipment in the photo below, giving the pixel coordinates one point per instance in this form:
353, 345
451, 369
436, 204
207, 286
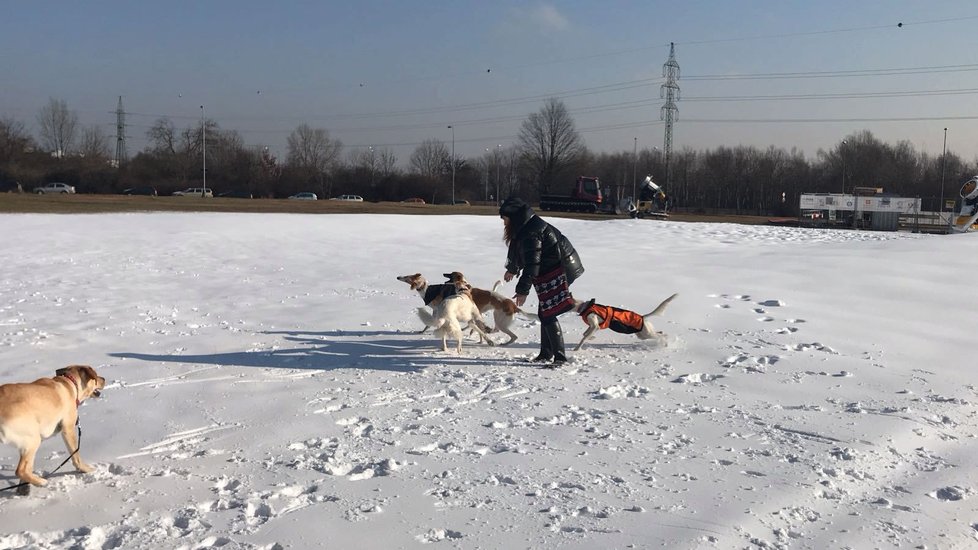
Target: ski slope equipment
651, 201
968, 213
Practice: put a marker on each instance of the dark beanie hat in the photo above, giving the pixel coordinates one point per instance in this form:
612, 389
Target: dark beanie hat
512, 206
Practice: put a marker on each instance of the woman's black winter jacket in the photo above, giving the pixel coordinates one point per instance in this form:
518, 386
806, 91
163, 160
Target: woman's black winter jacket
537, 249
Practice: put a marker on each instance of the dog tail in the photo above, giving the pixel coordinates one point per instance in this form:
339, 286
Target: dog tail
661, 308
426, 317
496, 285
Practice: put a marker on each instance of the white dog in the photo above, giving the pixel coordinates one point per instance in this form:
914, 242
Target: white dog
624, 321
457, 308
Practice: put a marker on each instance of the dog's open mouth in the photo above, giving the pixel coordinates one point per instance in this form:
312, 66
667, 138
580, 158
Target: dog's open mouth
97, 393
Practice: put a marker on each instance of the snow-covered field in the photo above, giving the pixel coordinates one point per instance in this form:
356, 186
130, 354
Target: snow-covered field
267, 388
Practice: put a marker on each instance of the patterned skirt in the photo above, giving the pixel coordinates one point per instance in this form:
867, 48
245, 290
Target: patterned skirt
554, 294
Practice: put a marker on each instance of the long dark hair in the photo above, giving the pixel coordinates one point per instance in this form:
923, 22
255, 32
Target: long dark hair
508, 234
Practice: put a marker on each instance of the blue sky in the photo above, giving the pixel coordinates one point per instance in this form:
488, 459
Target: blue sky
392, 74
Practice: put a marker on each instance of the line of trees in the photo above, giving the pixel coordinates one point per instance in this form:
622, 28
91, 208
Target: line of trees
548, 155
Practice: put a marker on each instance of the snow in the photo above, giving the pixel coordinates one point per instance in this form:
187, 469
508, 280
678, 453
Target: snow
267, 388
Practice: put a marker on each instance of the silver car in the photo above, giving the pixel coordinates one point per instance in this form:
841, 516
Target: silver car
57, 188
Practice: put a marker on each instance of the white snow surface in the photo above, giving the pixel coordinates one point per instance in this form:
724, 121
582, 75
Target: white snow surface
267, 388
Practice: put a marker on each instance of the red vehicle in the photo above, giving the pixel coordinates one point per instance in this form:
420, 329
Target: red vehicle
585, 197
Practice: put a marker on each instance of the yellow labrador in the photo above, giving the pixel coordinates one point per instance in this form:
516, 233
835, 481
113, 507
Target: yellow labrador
34, 411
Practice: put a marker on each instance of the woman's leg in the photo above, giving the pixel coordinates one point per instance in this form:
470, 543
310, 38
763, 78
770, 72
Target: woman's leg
557, 343
551, 342
546, 346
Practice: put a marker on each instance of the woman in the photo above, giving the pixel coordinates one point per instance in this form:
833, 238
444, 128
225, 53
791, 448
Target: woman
548, 261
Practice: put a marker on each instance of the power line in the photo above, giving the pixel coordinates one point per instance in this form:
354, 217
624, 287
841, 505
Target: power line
612, 53
838, 74
627, 85
632, 105
828, 120
587, 130
578, 92
830, 96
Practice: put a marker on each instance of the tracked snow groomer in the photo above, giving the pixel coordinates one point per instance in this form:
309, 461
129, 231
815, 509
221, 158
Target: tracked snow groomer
585, 197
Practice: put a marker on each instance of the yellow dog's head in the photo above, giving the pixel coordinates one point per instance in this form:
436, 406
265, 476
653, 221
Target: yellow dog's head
89, 383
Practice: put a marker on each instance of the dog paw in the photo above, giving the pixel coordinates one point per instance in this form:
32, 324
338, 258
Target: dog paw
84, 468
37, 481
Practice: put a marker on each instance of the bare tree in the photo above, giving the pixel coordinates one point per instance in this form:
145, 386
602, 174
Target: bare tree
58, 127
363, 159
194, 137
14, 139
386, 163
549, 142
265, 173
162, 136
313, 148
312, 153
430, 158
94, 143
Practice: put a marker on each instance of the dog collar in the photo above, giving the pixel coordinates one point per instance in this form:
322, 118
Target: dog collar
74, 383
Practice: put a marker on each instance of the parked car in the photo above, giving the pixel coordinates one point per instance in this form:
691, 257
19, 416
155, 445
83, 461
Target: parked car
195, 192
57, 188
239, 194
146, 190
460, 202
354, 198
414, 200
305, 196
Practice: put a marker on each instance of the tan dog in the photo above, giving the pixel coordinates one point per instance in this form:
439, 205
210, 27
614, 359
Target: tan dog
503, 309
34, 411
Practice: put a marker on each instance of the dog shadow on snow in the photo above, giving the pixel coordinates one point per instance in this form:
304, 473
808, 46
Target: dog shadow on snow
395, 351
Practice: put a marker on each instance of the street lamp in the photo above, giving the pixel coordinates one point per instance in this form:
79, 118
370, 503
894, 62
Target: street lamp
372, 184
452, 128
943, 161
486, 193
634, 168
498, 145
844, 142
203, 133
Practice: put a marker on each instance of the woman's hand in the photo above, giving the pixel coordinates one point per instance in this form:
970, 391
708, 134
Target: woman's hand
520, 299
508, 276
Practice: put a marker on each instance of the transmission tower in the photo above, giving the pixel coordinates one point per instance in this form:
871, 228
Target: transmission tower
670, 92
120, 135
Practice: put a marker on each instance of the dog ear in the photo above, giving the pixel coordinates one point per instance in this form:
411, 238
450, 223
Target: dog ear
88, 372
61, 372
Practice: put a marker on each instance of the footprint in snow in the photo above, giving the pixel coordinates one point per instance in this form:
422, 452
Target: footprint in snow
951, 493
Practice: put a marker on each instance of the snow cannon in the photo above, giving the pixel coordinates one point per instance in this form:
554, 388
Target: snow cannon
651, 184
651, 201
968, 212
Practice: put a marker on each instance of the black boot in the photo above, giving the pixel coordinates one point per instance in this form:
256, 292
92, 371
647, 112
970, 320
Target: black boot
546, 347
557, 344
